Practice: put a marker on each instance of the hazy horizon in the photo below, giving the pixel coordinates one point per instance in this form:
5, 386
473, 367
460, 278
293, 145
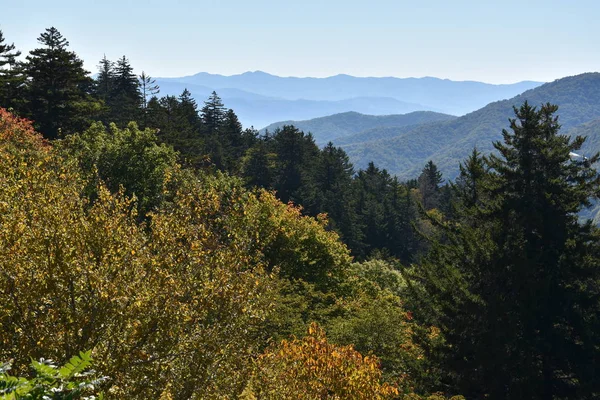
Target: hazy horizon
356, 76
460, 41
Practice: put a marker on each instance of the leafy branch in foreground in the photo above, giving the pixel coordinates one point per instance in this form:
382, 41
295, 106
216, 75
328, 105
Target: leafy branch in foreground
74, 380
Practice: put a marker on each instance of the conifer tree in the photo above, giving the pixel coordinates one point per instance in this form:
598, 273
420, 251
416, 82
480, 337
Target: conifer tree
58, 88
516, 293
297, 156
336, 196
429, 185
232, 138
105, 80
126, 100
213, 113
11, 77
259, 165
148, 88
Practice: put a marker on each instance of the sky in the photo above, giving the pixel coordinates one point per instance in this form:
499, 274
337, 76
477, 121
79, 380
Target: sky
489, 41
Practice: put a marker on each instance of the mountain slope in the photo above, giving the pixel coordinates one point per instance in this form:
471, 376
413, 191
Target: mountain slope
344, 125
447, 143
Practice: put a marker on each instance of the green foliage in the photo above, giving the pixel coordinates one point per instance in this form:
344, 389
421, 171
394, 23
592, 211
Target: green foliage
74, 380
353, 127
448, 142
130, 158
58, 89
11, 77
514, 284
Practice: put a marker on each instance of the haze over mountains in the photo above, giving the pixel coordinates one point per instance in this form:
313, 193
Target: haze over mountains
260, 99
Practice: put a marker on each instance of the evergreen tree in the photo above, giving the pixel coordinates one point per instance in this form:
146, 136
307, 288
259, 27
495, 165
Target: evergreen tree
297, 157
11, 77
517, 293
429, 186
233, 141
336, 196
126, 100
58, 88
188, 109
148, 88
105, 80
213, 113
469, 186
373, 186
259, 165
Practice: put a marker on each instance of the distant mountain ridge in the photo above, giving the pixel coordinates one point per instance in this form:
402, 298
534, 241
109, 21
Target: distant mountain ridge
260, 98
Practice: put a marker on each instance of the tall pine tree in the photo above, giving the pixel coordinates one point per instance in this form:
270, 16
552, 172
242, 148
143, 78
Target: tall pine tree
11, 77
58, 88
516, 294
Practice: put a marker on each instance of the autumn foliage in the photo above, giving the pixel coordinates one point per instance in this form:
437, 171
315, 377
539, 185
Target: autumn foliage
313, 368
179, 303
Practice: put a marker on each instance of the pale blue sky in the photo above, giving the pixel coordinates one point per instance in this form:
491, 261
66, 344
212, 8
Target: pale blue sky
491, 41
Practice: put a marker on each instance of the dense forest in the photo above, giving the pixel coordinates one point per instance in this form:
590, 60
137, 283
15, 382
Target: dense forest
152, 247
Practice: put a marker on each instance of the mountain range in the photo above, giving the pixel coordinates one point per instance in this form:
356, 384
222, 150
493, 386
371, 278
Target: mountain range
404, 149
260, 99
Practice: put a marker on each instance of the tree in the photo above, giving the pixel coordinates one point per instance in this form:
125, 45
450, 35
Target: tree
58, 89
313, 368
232, 136
128, 159
516, 292
429, 185
11, 77
126, 99
105, 80
148, 89
336, 196
213, 113
468, 186
259, 165
297, 160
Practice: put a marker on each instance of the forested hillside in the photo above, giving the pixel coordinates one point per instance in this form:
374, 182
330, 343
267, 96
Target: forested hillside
352, 124
447, 143
153, 248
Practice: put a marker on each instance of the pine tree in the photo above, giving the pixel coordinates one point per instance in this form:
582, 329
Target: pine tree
126, 99
213, 114
188, 109
105, 80
429, 186
233, 141
259, 165
148, 88
336, 196
468, 186
297, 156
58, 88
516, 290
11, 77
372, 187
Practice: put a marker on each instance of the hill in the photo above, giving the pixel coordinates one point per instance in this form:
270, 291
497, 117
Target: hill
449, 142
353, 124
